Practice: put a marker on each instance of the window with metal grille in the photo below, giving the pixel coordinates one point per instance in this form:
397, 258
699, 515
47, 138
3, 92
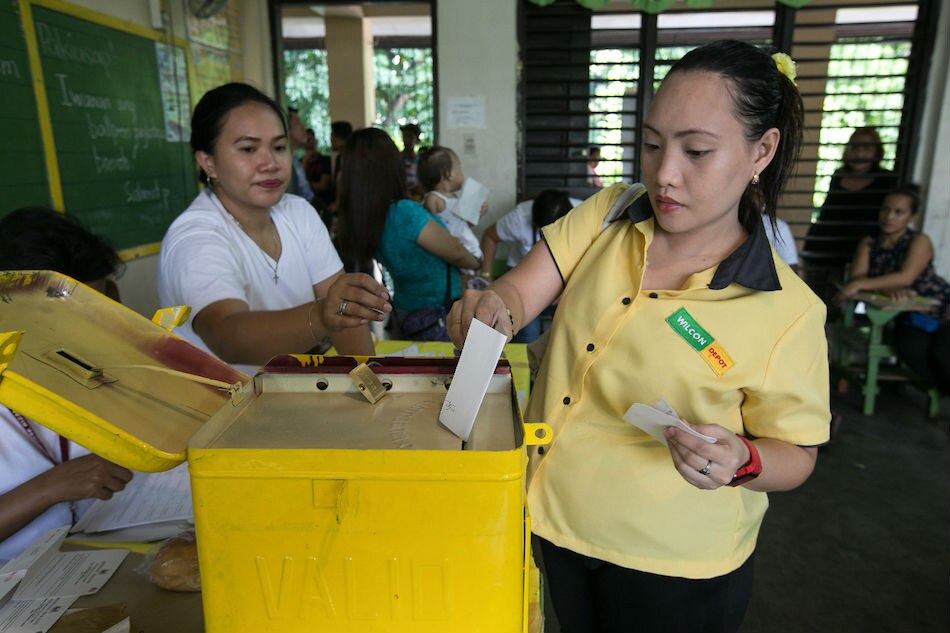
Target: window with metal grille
859, 63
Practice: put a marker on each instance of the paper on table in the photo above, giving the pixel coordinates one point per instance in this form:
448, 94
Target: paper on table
653, 421
148, 498
33, 616
39, 554
52, 581
471, 198
71, 574
476, 365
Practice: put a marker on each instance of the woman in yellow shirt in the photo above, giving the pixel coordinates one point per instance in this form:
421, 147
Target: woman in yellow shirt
670, 291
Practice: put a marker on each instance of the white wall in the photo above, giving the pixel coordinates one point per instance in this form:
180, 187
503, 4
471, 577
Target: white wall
933, 164
477, 53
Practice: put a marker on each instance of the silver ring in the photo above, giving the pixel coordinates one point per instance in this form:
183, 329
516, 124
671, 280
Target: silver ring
705, 469
342, 310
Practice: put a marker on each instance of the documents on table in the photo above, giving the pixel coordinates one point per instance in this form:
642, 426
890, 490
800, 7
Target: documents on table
483, 346
152, 506
655, 420
471, 198
38, 586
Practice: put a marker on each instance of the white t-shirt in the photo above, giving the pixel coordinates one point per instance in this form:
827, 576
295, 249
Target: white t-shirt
206, 257
456, 226
781, 239
516, 227
21, 459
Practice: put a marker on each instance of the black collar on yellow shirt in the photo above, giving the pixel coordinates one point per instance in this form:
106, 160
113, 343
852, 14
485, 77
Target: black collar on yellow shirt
750, 265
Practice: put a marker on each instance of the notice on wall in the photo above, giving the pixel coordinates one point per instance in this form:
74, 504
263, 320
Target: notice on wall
466, 112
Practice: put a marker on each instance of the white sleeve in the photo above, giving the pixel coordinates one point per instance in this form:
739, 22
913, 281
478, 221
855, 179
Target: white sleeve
511, 226
785, 243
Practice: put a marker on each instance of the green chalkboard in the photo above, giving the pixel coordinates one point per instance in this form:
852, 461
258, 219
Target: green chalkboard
118, 104
23, 180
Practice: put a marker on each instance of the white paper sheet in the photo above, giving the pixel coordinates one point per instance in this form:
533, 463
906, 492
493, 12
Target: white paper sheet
654, 421
466, 112
33, 616
471, 198
49, 581
483, 346
38, 554
149, 498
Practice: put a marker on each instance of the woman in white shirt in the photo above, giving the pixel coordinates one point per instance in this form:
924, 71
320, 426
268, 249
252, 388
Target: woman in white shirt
256, 264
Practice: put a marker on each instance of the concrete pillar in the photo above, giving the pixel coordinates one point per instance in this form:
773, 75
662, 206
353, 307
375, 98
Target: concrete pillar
349, 42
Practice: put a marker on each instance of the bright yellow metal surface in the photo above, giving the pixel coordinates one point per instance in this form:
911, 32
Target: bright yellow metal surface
101, 374
332, 531
341, 528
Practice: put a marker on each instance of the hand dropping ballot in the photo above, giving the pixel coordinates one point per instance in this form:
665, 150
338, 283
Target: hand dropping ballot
475, 368
655, 420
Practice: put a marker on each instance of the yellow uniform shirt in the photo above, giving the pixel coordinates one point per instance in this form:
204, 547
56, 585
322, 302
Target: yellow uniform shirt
741, 345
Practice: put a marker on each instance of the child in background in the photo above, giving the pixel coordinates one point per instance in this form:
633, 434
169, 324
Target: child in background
440, 174
521, 227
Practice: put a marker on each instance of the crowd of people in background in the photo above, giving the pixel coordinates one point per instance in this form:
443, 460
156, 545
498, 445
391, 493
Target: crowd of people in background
288, 249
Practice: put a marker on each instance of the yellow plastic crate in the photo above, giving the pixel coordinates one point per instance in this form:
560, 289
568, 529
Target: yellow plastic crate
315, 510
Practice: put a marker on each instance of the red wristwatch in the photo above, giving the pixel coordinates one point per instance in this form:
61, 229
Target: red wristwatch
752, 468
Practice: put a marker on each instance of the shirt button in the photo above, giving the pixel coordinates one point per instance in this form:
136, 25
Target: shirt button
590, 347
567, 400
653, 295
626, 301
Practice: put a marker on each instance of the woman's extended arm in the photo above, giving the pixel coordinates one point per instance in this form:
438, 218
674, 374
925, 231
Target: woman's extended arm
489, 246
525, 291
445, 246
238, 335
918, 256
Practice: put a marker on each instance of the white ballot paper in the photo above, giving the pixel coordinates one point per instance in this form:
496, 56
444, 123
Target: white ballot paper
471, 198
49, 581
655, 420
480, 354
150, 498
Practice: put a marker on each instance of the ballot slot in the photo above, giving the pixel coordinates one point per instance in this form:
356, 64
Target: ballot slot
326, 411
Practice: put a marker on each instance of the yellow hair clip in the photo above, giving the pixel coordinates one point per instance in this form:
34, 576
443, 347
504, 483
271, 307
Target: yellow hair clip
786, 66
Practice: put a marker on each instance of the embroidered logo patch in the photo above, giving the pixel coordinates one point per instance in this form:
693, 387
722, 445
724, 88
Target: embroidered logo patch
700, 340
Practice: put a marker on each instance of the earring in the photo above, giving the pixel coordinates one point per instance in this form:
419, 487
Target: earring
755, 179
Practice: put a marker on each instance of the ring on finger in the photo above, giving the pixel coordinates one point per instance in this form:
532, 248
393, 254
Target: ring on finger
705, 469
342, 310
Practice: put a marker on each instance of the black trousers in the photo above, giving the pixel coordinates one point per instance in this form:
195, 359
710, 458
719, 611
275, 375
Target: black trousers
591, 596
927, 353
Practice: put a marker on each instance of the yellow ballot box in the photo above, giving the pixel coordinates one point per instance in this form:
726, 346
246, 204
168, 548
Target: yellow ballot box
315, 508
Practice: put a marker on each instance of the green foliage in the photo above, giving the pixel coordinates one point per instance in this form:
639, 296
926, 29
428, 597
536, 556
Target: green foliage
307, 88
404, 90
403, 79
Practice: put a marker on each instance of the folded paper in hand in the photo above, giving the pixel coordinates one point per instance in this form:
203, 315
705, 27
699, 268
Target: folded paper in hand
655, 420
471, 198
